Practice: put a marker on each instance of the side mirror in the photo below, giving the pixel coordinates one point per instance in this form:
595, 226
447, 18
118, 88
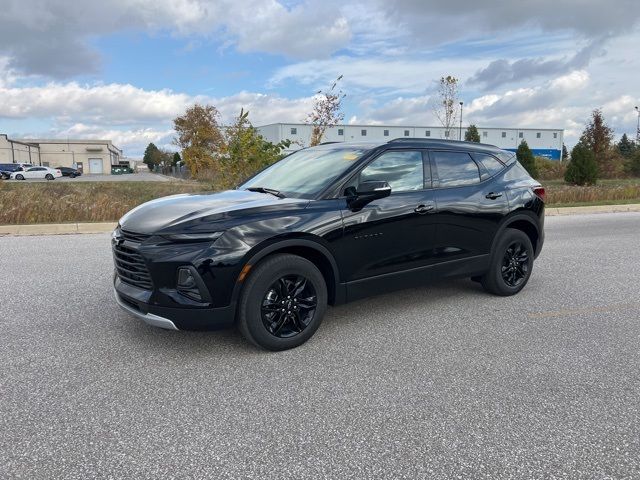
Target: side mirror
368, 192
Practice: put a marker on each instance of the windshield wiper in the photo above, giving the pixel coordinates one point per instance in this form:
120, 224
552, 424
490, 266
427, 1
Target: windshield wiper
266, 190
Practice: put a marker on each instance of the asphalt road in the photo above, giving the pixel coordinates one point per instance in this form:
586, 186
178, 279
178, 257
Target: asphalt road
442, 381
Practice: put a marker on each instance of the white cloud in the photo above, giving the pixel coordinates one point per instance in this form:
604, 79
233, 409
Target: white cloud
112, 103
407, 75
52, 38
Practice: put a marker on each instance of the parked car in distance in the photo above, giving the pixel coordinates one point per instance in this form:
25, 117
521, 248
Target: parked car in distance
47, 173
327, 225
69, 172
7, 168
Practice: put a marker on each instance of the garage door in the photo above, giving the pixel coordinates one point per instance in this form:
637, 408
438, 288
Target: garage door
95, 165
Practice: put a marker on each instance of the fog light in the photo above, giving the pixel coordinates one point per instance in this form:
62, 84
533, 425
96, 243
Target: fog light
188, 284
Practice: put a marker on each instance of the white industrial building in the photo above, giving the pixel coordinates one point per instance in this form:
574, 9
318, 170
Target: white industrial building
89, 156
544, 142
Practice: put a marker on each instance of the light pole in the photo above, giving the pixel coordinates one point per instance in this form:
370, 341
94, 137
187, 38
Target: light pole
638, 126
460, 134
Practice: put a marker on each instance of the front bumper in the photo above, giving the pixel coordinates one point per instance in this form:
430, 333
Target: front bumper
148, 318
139, 303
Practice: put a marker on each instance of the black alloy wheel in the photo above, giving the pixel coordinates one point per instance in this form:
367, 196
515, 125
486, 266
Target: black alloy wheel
282, 303
511, 264
48, 176
515, 264
288, 306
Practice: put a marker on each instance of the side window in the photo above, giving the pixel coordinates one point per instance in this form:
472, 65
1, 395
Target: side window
456, 169
489, 162
403, 170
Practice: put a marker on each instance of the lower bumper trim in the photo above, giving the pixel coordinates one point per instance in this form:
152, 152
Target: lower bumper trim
148, 318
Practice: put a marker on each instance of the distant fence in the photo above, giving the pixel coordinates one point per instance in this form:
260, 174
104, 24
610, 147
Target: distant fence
181, 171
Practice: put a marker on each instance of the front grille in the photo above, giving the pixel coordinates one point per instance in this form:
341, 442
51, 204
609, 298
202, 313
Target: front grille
133, 237
130, 265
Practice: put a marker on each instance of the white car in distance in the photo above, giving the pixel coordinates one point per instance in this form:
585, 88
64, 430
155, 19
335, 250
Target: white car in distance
36, 172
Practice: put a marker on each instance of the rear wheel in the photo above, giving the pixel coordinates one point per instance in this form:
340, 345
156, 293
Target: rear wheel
282, 303
48, 176
511, 264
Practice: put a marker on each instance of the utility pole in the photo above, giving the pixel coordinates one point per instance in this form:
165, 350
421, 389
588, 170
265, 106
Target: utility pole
460, 133
638, 126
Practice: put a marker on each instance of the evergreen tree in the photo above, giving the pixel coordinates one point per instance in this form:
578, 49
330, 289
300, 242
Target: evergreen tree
583, 169
176, 159
151, 155
526, 159
565, 153
597, 136
626, 147
634, 163
472, 134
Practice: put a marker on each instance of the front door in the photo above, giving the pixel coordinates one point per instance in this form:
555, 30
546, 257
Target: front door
392, 234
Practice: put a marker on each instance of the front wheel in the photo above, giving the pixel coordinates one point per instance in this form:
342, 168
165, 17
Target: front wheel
19, 177
282, 303
511, 264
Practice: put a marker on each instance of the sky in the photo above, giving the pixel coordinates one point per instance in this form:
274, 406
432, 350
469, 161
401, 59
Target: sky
123, 69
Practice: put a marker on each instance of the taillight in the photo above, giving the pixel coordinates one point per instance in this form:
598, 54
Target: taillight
540, 192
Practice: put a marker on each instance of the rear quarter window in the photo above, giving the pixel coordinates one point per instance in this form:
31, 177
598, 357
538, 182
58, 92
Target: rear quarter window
489, 162
517, 172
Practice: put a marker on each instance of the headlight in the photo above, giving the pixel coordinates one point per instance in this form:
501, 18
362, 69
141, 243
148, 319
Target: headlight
193, 237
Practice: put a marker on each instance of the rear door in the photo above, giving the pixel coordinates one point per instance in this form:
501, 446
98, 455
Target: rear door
471, 203
395, 233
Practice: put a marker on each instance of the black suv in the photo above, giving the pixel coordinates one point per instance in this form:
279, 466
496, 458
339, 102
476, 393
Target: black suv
327, 225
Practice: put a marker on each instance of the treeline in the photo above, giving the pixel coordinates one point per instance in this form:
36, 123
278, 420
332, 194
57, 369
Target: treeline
595, 156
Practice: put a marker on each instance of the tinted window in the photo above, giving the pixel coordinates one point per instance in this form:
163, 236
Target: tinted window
306, 172
516, 172
505, 156
456, 169
489, 162
403, 170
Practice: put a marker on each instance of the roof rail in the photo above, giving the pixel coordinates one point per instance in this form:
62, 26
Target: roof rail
438, 140
328, 143
420, 139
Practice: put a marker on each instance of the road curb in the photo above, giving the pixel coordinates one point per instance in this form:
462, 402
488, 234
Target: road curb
632, 207
102, 227
57, 228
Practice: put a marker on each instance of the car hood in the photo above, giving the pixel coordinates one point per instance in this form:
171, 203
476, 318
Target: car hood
205, 212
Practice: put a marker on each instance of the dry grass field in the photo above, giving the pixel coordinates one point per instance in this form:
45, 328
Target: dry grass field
51, 202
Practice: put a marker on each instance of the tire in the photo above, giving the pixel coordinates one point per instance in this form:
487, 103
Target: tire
19, 177
264, 317
511, 264
48, 176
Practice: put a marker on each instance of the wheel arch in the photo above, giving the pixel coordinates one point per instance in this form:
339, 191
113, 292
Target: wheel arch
524, 221
311, 250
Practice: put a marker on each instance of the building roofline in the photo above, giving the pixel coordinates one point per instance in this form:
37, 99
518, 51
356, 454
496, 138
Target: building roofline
20, 142
64, 140
59, 141
342, 125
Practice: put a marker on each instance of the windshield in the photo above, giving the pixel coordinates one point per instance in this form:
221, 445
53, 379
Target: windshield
307, 172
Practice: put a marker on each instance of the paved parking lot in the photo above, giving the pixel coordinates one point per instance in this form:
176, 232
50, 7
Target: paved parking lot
132, 177
435, 382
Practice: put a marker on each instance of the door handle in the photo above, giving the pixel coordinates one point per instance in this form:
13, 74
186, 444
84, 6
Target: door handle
492, 196
422, 208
